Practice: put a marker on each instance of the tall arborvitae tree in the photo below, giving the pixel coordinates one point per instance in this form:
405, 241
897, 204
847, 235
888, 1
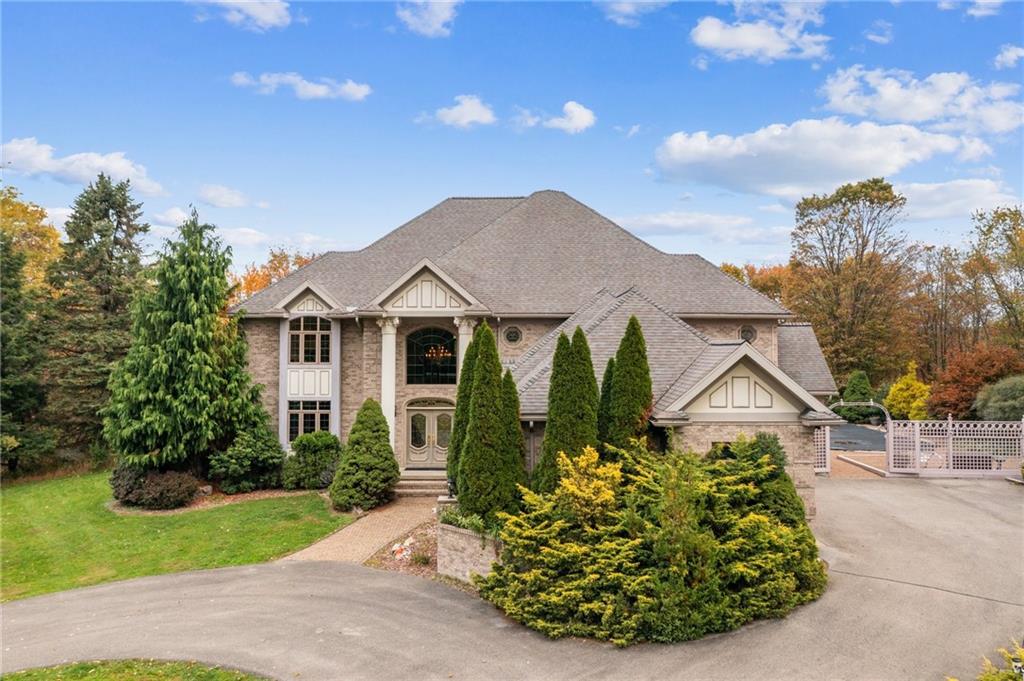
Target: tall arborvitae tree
183, 389
461, 418
487, 483
514, 442
604, 405
545, 472
22, 442
572, 408
89, 321
631, 388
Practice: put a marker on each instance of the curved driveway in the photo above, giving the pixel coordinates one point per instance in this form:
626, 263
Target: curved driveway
927, 577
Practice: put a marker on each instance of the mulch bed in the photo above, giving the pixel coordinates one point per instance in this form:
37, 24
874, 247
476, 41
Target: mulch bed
204, 501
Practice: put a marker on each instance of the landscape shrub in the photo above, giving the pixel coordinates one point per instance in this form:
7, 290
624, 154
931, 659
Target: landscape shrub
858, 389
313, 461
1002, 401
468, 521
665, 548
908, 397
368, 471
990, 672
632, 398
958, 386
252, 462
152, 489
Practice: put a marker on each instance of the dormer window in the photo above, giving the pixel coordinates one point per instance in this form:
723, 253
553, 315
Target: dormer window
309, 340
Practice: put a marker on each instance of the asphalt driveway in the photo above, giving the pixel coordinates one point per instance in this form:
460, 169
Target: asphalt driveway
850, 437
927, 576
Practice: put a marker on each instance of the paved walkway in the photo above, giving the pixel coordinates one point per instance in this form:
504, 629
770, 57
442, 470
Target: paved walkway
927, 576
357, 542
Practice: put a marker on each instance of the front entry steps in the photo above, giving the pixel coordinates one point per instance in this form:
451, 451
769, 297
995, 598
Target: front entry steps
422, 483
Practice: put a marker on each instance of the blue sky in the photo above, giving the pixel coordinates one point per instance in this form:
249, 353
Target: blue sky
696, 125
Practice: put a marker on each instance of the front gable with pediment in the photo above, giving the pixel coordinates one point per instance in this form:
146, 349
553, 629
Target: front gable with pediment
425, 294
744, 392
309, 304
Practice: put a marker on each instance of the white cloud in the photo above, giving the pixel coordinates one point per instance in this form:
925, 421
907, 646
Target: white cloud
524, 119
628, 13
1008, 56
773, 32
954, 199
58, 216
880, 32
633, 130
431, 19
949, 101
807, 156
700, 62
718, 226
946, 4
172, 217
253, 15
575, 119
774, 208
222, 197
26, 156
984, 8
468, 110
323, 88
243, 236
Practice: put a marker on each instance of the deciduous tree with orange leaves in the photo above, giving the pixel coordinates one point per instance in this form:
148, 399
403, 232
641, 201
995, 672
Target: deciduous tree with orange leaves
255, 278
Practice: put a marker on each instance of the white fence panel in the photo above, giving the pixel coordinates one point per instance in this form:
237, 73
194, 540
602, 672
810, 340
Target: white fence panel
956, 448
822, 450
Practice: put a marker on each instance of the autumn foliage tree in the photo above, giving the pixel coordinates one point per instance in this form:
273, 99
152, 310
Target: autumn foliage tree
32, 235
998, 254
967, 373
255, 278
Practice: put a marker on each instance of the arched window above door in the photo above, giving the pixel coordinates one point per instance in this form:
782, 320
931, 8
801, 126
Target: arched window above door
430, 357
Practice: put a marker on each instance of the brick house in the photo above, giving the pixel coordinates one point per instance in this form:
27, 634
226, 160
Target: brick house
391, 321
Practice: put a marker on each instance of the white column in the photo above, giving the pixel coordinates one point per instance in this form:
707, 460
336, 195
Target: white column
465, 327
388, 327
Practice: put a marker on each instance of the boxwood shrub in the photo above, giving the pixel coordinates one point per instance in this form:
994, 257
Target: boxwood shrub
252, 462
313, 461
152, 489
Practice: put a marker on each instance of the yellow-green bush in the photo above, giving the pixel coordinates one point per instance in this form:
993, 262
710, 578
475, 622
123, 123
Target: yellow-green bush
908, 397
990, 672
666, 548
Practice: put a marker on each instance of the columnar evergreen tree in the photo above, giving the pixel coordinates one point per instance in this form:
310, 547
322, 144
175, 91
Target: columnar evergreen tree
604, 405
514, 442
22, 442
545, 471
487, 483
368, 471
461, 418
183, 388
632, 395
89, 321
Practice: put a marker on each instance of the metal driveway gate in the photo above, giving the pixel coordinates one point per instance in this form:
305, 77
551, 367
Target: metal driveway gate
956, 448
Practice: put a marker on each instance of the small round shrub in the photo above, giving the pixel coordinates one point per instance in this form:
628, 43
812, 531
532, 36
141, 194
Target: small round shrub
313, 460
252, 462
1002, 401
368, 471
134, 486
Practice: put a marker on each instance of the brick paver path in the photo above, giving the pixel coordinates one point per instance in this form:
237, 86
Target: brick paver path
355, 543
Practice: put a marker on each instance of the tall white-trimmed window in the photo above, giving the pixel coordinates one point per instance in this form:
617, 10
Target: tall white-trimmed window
308, 416
309, 340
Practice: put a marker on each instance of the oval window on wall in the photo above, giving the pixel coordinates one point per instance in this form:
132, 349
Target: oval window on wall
513, 335
748, 333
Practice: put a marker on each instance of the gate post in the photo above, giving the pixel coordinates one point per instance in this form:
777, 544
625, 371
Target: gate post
949, 442
917, 446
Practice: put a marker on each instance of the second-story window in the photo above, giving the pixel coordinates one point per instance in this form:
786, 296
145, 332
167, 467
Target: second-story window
309, 340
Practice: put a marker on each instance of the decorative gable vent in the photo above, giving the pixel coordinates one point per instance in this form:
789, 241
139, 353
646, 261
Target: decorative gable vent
425, 293
310, 304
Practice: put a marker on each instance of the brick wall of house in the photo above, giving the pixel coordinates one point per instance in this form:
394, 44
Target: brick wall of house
729, 329
264, 338
796, 439
352, 388
532, 331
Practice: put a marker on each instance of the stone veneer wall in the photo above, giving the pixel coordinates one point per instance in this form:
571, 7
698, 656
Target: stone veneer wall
729, 329
461, 552
264, 338
796, 439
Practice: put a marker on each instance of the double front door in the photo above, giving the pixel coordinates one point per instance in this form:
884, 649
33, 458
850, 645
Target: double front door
430, 431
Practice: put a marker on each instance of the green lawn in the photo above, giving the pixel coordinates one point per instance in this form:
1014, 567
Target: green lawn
132, 670
58, 535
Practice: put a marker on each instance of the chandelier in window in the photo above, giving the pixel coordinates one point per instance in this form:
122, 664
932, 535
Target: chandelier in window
436, 353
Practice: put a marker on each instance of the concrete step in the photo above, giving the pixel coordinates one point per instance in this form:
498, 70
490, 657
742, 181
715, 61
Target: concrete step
421, 486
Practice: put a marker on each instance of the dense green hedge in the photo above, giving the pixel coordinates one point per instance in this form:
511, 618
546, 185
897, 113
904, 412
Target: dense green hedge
665, 548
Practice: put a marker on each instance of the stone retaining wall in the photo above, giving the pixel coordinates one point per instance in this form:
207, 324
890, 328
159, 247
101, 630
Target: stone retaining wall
460, 552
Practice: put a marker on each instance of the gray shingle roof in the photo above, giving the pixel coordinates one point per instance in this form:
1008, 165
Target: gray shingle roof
800, 356
543, 254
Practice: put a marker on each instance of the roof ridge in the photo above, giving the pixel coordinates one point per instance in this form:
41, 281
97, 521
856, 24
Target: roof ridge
484, 226
741, 283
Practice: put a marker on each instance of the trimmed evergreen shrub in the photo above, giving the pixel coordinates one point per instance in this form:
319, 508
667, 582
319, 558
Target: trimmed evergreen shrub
313, 461
908, 397
126, 482
545, 472
858, 389
660, 548
604, 405
1002, 401
461, 417
368, 471
632, 397
515, 444
487, 480
135, 486
253, 461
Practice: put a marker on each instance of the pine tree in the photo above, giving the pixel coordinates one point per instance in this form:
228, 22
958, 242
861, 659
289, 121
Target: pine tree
368, 470
89, 320
183, 389
632, 395
586, 397
514, 442
858, 389
604, 404
461, 417
545, 472
22, 442
487, 483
